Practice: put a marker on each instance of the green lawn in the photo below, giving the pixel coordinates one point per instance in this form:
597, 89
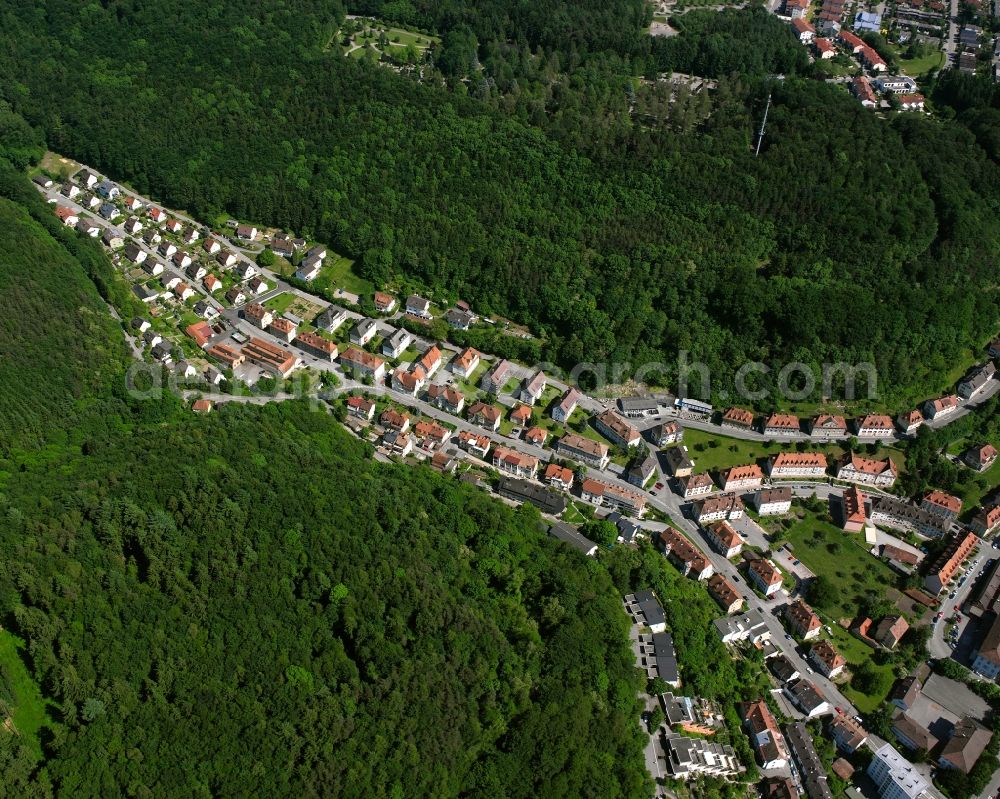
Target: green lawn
712, 451
280, 303
29, 713
843, 559
856, 651
405, 37
572, 514
915, 67
338, 273
840, 557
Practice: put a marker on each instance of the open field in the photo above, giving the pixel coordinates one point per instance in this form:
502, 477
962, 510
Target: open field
915, 67
840, 557
56, 164
338, 272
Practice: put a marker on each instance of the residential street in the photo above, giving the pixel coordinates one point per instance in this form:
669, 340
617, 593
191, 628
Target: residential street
665, 501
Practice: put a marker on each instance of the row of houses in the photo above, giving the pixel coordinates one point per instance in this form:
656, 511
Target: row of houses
873, 426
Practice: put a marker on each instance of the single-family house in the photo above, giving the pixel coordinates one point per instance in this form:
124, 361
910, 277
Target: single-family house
384, 303
364, 331
407, 382
88, 228
86, 178
392, 419
135, 253
396, 344
360, 408
236, 296
67, 215
430, 361
418, 306
484, 415
477, 445
465, 362
446, 398
563, 409
153, 266
183, 292
257, 285
521, 415
532, 388
980, 457
559, 476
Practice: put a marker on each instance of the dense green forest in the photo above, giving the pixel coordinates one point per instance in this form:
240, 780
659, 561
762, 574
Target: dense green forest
247, 604
622, 222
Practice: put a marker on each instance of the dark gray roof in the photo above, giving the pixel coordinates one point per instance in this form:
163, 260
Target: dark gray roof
810, 766
650, 607
805, 694
539, 496
665, 656
637, 404
782, 668
570, 535
677, 458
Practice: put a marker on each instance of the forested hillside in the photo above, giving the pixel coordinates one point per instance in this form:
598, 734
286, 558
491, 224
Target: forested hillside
531, 190
247, 604
59, 350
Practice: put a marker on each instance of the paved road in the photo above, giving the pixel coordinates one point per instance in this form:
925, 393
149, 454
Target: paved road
666, 502
950, 45
937, 644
